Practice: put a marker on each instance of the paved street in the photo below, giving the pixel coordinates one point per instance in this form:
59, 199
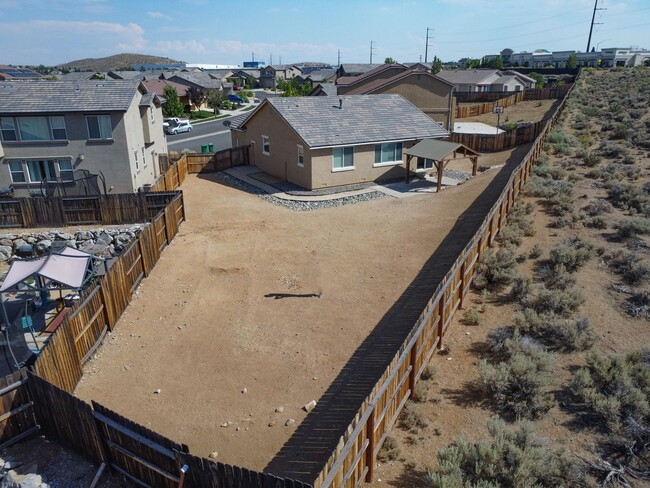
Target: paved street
213, 132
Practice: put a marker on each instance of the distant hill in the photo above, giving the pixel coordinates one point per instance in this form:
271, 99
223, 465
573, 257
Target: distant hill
115, 62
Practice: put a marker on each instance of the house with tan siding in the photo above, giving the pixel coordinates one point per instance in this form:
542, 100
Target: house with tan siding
319, 142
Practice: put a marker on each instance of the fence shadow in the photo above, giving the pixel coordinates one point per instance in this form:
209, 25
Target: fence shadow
303, 456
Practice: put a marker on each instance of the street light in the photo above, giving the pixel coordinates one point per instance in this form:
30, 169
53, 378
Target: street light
604, 40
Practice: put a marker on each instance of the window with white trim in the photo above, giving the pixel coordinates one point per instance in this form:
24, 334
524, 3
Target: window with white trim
266, 146
33, 129
301, 156
342, 158
57, 124
388, 153
137, 163
99, 127
144, 159
37, 170
425, 163
8, 129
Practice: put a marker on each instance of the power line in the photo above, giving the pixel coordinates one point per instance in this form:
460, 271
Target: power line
426, 47
591, 28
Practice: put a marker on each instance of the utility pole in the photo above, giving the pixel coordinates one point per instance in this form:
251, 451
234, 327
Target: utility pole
593, 18
426, 47
280, 60
338, 61
253, 56
372, 49
271, 58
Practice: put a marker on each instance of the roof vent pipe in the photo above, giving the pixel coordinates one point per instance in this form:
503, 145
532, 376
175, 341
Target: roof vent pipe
341, 103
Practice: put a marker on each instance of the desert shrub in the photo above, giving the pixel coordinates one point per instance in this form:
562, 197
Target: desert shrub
610, 150
558, 137
573, 254
542, 159
390, 450
629, 197
552, 172
420, 393
561, 302
428, 373
561, 201
521, 287
510, 235
495, 270
412, 418
520, 218
620, 131
556, 277
536, 251
557, 333
518, 385
596, 222
591, 160
597, 207
633, 268
615, 388
472, 317
632, 227
511, 457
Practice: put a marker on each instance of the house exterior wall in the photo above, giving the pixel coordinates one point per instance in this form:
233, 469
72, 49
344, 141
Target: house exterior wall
114, 157
431, 95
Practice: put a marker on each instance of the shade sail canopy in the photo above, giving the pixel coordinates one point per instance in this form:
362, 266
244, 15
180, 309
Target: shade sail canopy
69, 267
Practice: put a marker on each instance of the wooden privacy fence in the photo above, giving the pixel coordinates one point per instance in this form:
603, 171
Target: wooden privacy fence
121, 208
464, 111
502, 141
101, 305
353, 459
529, 94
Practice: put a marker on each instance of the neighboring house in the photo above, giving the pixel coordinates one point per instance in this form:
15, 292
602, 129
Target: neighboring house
246, 77
486, 80
51, 129
269, 75
158, 87
319, 142
323, 90
353, 69
196, 79
82, 76
321, 75
352, 85
9, 73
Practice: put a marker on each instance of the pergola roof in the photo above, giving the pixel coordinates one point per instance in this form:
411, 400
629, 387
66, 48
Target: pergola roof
69, 267
438, 150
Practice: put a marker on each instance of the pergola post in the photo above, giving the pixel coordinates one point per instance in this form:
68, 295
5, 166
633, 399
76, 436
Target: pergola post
439, 166
474, 165
408, 167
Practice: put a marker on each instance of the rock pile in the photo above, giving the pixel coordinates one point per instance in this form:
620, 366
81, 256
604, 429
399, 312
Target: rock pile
11, 479
107, 242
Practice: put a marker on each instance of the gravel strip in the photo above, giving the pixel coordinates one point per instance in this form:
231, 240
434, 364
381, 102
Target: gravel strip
300, 206
456, 175
299, 191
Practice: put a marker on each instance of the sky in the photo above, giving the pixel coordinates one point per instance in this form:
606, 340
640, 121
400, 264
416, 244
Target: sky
52, 32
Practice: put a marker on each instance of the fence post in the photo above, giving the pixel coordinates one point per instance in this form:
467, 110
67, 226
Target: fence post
413, 373
370, 452
441, 319
462, 284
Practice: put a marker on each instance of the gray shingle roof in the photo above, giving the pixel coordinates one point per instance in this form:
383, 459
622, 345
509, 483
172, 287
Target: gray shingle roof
363, 119
466, 76
436, 150
66, 96
79, 75
351, 69
199, 78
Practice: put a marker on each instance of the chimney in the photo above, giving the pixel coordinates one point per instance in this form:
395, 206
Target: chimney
340, 103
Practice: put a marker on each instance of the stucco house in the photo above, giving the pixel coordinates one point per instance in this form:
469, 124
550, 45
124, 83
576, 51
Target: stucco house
487, 80
319, 142
270, 74
52, 130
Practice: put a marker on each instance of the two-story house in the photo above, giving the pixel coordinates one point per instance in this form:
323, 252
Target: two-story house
51, 130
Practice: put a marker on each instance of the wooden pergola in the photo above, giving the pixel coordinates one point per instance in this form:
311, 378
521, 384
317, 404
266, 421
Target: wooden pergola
440, 152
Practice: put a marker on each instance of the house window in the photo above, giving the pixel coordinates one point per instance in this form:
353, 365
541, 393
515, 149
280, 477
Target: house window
144, 159
301, 156
266, 145
342, 158
41, 171
58, 128
99, 127
388, 154
425, 163
16, 171
152, 115
137, 163
8, 129
517, 88
33, 129
66, 172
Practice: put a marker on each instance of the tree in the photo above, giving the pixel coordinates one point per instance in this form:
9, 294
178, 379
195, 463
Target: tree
213, 98
436, 65
474, 63
539, 79
494, 63
389, 60
173, 106
572, 62
196, 96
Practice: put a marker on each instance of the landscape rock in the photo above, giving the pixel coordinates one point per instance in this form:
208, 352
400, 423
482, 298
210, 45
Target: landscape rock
213, 455
5, 253
289, 422
279, 410
310, 406
44, 245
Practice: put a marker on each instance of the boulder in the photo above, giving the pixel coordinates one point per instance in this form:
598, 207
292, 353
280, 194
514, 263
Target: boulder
44, 245
5, 253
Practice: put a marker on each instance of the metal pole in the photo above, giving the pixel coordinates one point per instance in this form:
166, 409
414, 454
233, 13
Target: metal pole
5, 317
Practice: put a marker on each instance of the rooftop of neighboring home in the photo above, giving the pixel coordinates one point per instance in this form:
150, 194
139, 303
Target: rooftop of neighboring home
374, 85
12, 73
324, 122
81, 75
323, 74
199, 78
324, 89
68, 96
352, 80
478, 76
356, 69
158, 87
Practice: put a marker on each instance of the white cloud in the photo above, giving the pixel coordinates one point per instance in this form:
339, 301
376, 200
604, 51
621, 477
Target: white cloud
57, 41
158, 15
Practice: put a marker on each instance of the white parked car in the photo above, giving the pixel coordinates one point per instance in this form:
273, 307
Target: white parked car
182, 126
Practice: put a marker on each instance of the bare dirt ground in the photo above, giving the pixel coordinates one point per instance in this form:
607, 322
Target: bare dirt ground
532, 111
254, 310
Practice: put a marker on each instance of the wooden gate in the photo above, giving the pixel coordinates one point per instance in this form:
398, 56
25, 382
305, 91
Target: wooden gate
143, 456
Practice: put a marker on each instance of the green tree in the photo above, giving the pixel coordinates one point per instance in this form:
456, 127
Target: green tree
173, 106
214, 98
494, 63
572, 62
436, 65
196, 96
474, 63
389, 60
539, 79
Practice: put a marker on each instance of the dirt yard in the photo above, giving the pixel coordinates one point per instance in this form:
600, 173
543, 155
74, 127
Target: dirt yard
532, 111
254, 310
